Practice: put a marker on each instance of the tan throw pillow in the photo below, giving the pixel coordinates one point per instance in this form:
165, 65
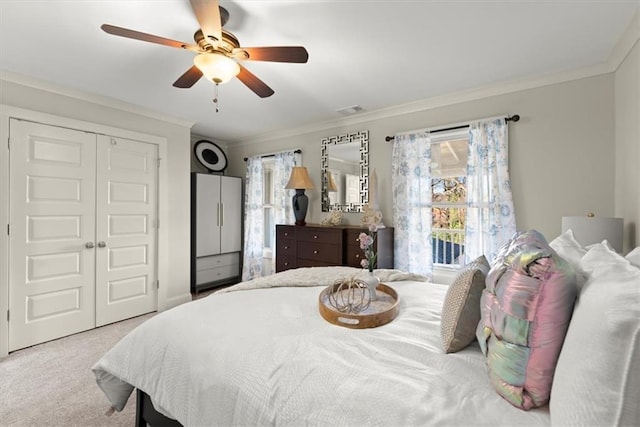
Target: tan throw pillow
461, 308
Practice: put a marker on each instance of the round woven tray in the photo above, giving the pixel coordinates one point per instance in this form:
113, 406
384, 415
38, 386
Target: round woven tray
380, 312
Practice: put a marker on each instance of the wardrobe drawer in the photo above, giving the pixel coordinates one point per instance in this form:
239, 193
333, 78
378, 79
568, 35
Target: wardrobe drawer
284, 262
285, 232
320, 235
213, 261
218, 273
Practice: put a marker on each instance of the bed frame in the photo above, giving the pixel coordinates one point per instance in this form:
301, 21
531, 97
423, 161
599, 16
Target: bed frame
147, 415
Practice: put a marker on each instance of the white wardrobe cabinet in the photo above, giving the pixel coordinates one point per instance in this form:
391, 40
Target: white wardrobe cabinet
216, 230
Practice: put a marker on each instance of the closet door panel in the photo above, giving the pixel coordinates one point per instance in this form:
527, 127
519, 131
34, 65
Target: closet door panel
52, 205
126, 232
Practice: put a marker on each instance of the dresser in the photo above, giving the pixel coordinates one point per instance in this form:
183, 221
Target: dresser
318, 246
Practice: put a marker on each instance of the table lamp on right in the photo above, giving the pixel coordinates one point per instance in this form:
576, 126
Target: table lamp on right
590, 229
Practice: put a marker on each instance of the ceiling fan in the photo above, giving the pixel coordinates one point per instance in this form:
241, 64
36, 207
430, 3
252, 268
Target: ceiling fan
218, 51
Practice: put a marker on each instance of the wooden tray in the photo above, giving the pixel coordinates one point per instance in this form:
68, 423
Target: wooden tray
380, 312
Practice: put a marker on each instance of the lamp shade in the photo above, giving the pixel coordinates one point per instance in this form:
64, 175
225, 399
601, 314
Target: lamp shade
591, 229
216, 66
299, 179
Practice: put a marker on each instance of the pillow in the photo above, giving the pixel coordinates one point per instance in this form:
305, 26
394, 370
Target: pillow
461, 307
597, 379
634, 257
568, 248
572, 251
526, 307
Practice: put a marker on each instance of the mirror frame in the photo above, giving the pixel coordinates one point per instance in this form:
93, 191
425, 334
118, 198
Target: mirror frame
363, 138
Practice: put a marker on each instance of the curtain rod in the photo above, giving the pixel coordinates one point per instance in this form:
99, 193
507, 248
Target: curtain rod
507, 119
297, 151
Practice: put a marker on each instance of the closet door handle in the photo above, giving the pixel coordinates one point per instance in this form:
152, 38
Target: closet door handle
102, 244
221, 214
89, 245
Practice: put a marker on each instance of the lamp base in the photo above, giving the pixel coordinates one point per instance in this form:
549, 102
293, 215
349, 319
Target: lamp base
300, 203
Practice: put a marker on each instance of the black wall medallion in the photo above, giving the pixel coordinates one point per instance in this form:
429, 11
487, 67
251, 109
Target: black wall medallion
210, 155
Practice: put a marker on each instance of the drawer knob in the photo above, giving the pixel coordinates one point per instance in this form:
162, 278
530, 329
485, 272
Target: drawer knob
357, 255
315, 236
315, 252
286, 263
286, 234
286, 247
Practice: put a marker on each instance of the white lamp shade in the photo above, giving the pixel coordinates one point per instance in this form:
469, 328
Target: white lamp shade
216, 67
591, 229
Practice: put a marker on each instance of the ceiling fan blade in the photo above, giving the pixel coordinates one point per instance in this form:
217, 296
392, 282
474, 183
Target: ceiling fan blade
254, 83
137, 35
297, 54
189, 78
208, 15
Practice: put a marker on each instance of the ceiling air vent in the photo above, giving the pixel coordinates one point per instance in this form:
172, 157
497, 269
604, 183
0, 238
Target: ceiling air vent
347, 111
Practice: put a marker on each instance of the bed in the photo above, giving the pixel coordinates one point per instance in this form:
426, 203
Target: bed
259, 353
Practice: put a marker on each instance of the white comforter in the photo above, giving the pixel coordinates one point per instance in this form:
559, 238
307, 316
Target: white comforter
267, 357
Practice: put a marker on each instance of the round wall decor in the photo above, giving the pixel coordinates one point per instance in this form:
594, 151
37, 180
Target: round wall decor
210, 155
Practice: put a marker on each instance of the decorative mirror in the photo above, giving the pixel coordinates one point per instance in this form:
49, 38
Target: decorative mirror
345, 172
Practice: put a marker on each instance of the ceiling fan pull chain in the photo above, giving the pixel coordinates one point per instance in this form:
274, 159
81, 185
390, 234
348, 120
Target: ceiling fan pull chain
215, 99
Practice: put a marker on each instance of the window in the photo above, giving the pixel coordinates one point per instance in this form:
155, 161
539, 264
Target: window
448, 196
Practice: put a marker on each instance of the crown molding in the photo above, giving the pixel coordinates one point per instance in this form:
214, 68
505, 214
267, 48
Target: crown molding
625, 44
21, 79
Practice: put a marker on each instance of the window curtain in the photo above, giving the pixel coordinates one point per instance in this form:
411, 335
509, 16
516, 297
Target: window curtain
411, 182
490, 215
253, 220
283, 209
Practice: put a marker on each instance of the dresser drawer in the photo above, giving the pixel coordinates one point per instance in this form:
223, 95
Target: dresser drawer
218, 273
285, 262
285, 232
323, 252
207, 262
354, 256
320, 235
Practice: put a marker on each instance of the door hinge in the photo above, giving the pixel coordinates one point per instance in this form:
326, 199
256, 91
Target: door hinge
8, 315
158, 162
8, 230
157, 284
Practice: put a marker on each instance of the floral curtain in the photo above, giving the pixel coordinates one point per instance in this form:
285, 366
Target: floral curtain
283, 209
490, 215
253, 220
411, 182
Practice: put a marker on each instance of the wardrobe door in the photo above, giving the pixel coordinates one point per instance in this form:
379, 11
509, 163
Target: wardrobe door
52, 229
208, 215
126, 231
231, 214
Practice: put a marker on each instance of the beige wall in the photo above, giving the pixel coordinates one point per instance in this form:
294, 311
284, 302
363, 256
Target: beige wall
561, 151
627, 136
177, 288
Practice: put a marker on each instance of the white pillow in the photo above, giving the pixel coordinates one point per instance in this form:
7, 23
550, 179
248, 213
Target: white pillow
634, 257
571, 251
597, 380
568, 248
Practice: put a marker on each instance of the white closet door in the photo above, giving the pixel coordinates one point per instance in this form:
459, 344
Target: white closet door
52, 220
231, 214
126, 232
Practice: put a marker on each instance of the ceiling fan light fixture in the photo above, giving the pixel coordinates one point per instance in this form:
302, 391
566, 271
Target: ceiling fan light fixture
216, 66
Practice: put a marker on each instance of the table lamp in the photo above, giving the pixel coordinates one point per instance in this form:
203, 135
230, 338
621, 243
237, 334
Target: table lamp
299, 181
591, 229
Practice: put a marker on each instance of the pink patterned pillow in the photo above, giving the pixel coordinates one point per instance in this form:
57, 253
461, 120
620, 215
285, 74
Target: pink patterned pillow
526, 308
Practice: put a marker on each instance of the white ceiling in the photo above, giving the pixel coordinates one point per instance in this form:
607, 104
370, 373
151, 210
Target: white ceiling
370, 53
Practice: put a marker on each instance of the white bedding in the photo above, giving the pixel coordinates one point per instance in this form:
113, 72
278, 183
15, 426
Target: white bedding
266, 356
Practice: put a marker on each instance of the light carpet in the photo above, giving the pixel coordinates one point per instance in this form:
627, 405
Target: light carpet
51, 384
